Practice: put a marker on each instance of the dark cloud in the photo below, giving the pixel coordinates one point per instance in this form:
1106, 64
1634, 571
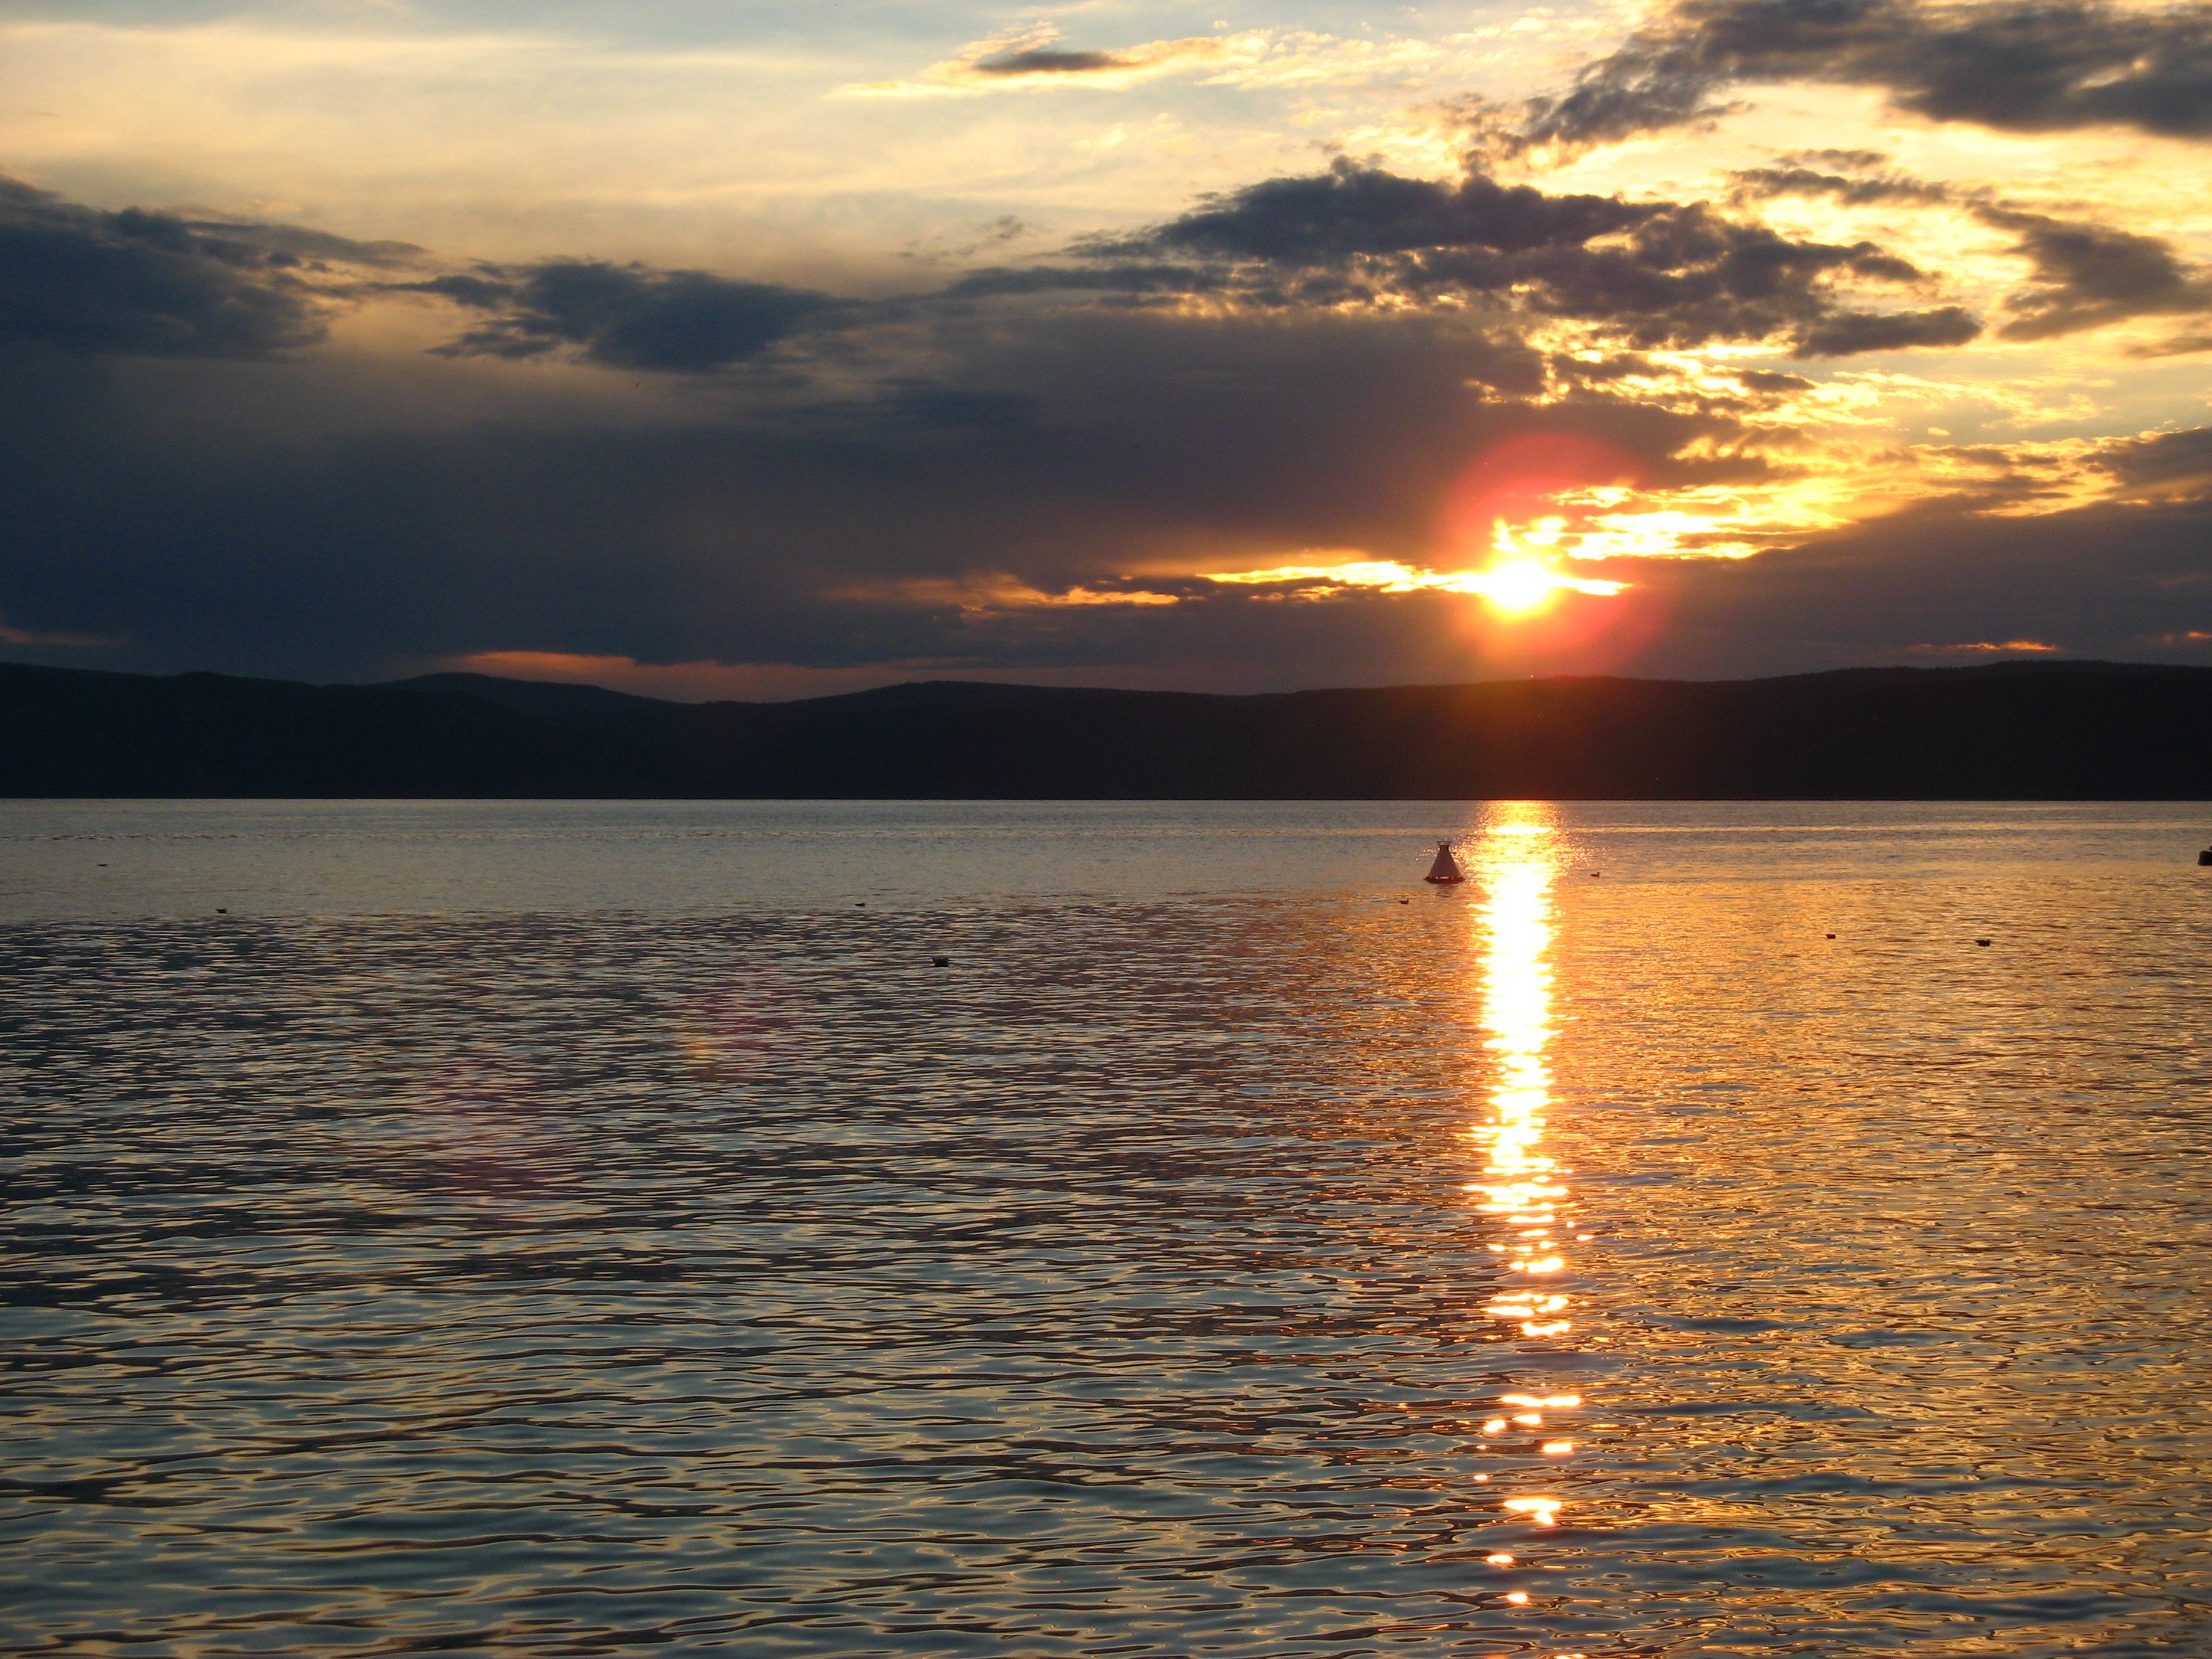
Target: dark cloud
157, 285
1042, 60
1761, 184
1688, 276
2169, 462
2021, 66
1657, 273
1055, 450
1858, 160
1352, 209
1065, 458
1620, 366
1765, 380
1846, 333
1042, 435
2088, 275
2125, 581
627, 316
2185, 344
2083, 275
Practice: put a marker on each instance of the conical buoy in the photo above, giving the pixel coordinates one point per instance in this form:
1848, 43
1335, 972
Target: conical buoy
1445, 869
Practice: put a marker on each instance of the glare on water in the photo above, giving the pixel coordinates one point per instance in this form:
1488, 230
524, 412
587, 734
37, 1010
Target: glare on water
1522, 1188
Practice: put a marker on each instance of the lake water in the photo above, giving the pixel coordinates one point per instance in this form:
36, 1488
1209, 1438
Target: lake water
592, 1229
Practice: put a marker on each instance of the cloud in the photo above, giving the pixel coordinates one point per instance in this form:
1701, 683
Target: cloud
1848, 333
25, 636
2016, 66
992, 593
1865, 188
1987, 647
2111, 580
158, 285
1518, 585
2089, 275
1142, 452
1032, 62
2082, 274
1053, 471
1005, 488
1253, 59
2165, 463
626, 316
1656, 273
1352, 210
1767, 380
2184, 343
1043, 60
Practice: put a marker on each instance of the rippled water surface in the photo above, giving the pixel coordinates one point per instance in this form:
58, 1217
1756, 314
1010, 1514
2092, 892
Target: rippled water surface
578, 1230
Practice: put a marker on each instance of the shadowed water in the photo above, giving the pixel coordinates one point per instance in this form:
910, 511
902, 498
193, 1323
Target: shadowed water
591, 1228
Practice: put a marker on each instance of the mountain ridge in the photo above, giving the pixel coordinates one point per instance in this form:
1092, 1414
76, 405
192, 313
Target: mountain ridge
2012, 730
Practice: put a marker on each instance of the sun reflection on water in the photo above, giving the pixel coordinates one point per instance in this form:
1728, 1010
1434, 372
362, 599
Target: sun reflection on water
1521, 1187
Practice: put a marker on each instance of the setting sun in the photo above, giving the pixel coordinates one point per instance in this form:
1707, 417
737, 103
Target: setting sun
1518, 588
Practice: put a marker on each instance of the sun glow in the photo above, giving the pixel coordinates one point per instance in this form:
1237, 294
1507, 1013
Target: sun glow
1515, 589
1518, 584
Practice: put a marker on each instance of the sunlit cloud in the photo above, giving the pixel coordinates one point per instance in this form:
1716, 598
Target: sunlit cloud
1659, 535
1515, 585
990, 592
68, 642
1986, 647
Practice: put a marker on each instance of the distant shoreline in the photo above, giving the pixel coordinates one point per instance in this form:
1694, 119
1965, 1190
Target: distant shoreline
2013, 730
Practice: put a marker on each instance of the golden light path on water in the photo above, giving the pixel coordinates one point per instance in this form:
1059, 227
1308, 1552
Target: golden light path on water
1523, 1191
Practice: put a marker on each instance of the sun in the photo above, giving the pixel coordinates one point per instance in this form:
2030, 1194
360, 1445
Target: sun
1519, 588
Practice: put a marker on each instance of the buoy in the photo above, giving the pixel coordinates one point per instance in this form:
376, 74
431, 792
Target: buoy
1445, 869
940, 962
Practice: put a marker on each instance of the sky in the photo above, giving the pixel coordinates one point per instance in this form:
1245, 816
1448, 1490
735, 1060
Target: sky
739, 348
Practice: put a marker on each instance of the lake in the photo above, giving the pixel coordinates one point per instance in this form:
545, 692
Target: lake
601, 1228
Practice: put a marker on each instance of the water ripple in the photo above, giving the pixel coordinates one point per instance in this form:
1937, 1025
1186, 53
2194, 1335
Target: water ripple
580, 1283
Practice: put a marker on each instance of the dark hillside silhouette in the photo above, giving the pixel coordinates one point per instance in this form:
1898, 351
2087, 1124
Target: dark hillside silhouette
2023, 730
